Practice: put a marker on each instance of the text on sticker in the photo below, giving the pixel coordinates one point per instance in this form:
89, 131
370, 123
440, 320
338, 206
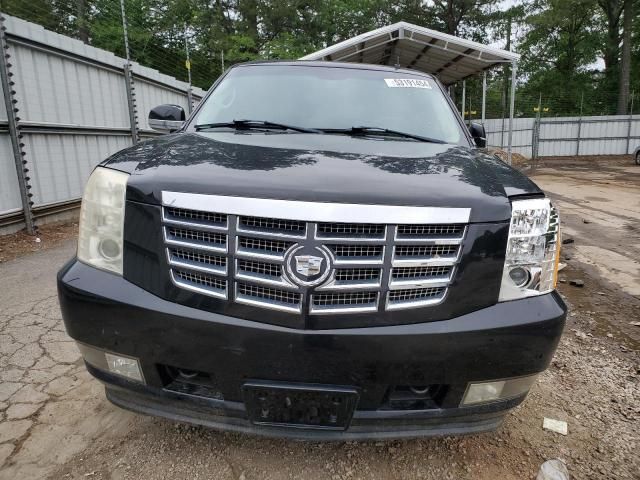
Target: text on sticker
407, 83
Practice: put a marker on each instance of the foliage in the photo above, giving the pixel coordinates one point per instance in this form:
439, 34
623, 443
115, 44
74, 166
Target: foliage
563, 42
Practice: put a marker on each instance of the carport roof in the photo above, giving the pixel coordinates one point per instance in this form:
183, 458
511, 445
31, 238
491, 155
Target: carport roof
410, 46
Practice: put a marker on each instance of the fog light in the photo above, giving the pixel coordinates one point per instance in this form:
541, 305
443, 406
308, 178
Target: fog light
125, 366
484, 392
519, 276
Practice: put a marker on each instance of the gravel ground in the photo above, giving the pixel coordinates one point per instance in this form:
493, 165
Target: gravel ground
55, 422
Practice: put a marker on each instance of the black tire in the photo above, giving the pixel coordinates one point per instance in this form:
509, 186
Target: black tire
638, 157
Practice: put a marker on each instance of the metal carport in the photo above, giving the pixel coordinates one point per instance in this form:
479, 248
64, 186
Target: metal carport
451, 59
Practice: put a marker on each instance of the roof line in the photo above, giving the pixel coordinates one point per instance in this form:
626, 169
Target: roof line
505, 55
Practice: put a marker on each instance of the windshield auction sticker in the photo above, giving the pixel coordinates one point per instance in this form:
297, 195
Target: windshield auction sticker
407, 83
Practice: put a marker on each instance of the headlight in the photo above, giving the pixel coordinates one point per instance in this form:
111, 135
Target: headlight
102, 220
533, 250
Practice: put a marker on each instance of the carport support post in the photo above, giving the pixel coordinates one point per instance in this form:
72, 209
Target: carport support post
484, 95
512, 107
464, 97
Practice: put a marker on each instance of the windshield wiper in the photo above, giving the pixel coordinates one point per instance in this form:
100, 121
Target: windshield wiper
255, 124
384, 131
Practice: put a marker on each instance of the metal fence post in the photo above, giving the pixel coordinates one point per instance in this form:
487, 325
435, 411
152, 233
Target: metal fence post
579, 134
630, 124
188, 65
131, 103
13, 120
535, 138
128, 79
579, 125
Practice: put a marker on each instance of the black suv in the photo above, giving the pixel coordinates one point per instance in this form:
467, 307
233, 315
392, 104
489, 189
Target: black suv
322, 251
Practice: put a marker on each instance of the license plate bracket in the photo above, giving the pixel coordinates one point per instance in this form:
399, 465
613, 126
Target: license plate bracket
300, 405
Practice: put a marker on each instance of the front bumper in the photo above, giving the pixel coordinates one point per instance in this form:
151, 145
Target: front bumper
505, 340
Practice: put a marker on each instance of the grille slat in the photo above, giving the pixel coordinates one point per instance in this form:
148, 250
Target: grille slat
357, 274
425, 251
181, 215
259, 268
198, 260
198, 237
283, 299
351, 230
357, 251
416, 269
416, 273
411, 298
200, 282
272, 225
428, 231
263, 246
344, 301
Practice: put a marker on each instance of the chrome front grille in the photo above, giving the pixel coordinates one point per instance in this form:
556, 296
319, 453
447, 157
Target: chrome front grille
251, 259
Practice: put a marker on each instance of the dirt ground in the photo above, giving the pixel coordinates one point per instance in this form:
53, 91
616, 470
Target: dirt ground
48, 236
55, 422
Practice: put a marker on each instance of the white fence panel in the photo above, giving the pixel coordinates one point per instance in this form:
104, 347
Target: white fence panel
499, 138
61, 164
9, 188
56, 89
569, 136
3, 110
557, 148
603, 147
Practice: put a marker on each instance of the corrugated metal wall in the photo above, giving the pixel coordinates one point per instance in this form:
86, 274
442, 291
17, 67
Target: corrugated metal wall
73, 111
568, 136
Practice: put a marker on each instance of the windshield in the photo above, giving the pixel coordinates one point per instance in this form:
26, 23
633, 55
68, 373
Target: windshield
334, 99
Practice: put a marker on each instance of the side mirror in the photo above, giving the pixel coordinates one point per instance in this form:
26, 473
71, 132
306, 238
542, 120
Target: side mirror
167, 118
478, 134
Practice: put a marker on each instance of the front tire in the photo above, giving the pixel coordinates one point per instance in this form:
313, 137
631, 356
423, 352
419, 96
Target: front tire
638, 158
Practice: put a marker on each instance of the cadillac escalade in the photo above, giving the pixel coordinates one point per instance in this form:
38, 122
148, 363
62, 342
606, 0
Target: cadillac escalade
320, 251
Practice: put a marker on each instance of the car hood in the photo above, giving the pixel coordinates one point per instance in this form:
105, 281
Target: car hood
323, 168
